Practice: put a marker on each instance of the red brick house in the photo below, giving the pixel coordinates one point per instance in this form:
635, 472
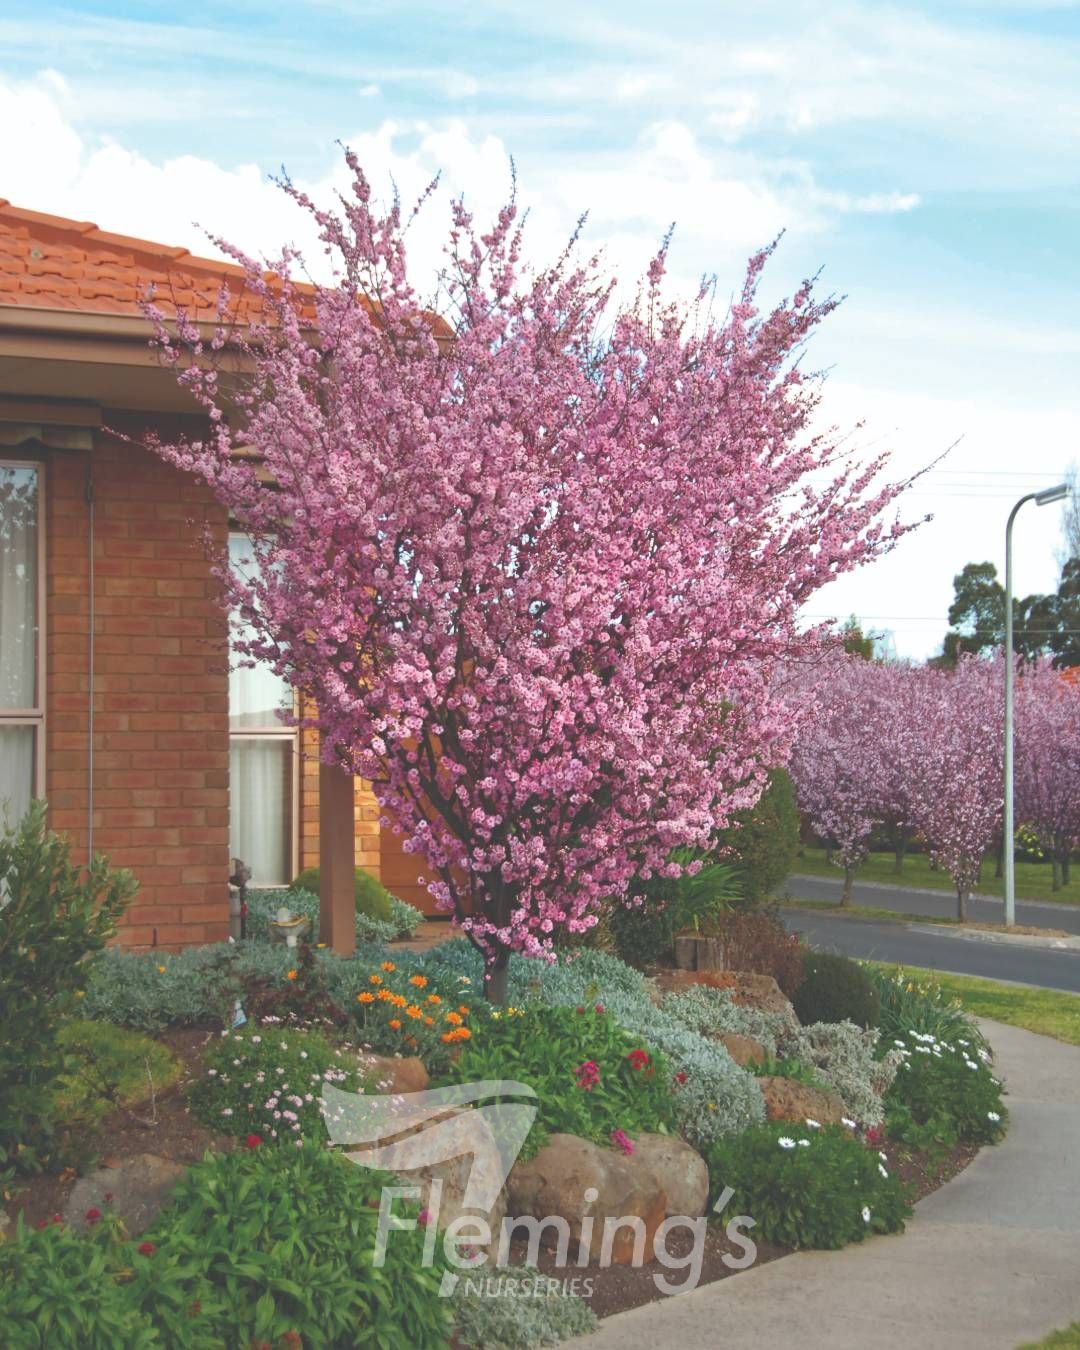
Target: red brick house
116, 700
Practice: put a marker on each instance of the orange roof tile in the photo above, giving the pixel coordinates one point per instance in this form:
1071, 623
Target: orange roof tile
49, 262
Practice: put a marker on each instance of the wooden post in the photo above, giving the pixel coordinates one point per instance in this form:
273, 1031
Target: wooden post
337, 860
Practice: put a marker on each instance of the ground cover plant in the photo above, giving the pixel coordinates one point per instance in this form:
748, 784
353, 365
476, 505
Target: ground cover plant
808, 1185
592, 1078
107, 1067
944, 1093
522, 1315
266, 1081
262, 1246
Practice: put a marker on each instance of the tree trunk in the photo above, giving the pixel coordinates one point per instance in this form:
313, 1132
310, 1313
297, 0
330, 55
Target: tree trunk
828, 855
900, 851
1055, 873
962, 893
845, 894
495, 977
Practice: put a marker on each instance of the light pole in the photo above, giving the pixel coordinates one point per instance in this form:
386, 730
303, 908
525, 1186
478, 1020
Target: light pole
1054, 494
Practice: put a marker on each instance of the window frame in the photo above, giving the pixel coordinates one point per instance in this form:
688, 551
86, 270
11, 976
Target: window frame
35, 715
277, 732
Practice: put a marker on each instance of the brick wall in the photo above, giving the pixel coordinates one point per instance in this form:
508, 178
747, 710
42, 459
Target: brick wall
161, 748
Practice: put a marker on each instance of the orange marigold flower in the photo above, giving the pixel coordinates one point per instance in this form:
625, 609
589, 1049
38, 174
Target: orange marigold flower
399, 1000
454, 1019
395, 1023
429, 1021
463, 1033
385, 996
365, 997
374, 979
463, 1010
419, 980
413, 1011
388, 966
291, 974
434, 999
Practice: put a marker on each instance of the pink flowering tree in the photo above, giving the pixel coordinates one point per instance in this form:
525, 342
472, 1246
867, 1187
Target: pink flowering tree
956, 766
836, 761
1047, 761
531, 563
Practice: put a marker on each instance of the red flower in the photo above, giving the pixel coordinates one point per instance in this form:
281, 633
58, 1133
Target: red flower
874, 1135
682, 1077
56, 1218
581, 1009
92, 1215
600, 1009
588, 1075
639, 1059
146, 1249
41, 1223
108, 1197
253, 1141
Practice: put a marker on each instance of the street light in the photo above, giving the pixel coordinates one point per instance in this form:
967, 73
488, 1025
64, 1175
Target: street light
1044, 498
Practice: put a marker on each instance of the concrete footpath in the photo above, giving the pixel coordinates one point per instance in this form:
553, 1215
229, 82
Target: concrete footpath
989, 1261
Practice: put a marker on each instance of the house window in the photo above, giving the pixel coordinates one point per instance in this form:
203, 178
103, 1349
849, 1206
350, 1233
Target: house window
262, 762
21, 680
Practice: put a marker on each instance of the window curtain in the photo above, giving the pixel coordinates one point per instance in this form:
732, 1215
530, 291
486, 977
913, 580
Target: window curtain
17, 745
18, 587
260, 807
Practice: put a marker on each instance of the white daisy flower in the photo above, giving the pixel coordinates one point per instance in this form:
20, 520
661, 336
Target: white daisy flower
814, 1124
883, 1156
849, 1123
785, 1142
865, 1214
992, 1115
883, 1171
804, 1143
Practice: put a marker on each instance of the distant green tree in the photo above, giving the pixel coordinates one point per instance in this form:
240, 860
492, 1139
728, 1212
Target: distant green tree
855, 642
766, 839
977, 617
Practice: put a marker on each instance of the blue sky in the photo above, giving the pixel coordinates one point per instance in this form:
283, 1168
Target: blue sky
926, 157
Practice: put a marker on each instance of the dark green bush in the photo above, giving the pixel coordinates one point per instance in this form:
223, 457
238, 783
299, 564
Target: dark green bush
52, 915
372, 897
645, 932
628, 1087
835, 989
808, 1187
766, 839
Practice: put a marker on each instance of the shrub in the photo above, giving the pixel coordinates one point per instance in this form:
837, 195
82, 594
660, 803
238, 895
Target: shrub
267, 1081
644, 931
846, 1060
765, 840
808, 1187
405, 918
398, 1012
591, 1077
52, 915
372, 897
525, 1312
794, 1069
263, 905
944, 1093
63, 1289
909, 1004
107, 1067
835, 989
759, 942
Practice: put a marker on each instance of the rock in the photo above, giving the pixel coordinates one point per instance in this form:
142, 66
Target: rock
743, 1050
138, 1186
394, 1073
786, 1099
745, 987
679, 1171
553, 1185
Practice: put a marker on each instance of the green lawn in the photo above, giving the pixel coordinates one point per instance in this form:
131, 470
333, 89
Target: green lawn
109, 1070
1069, 1339
1045, 1011
1033, 880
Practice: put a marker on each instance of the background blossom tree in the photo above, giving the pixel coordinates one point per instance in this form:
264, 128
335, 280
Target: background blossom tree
1048, 761
532, 571
956, 760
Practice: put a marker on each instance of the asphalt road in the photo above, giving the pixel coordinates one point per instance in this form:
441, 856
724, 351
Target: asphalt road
941, 904
885, 941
